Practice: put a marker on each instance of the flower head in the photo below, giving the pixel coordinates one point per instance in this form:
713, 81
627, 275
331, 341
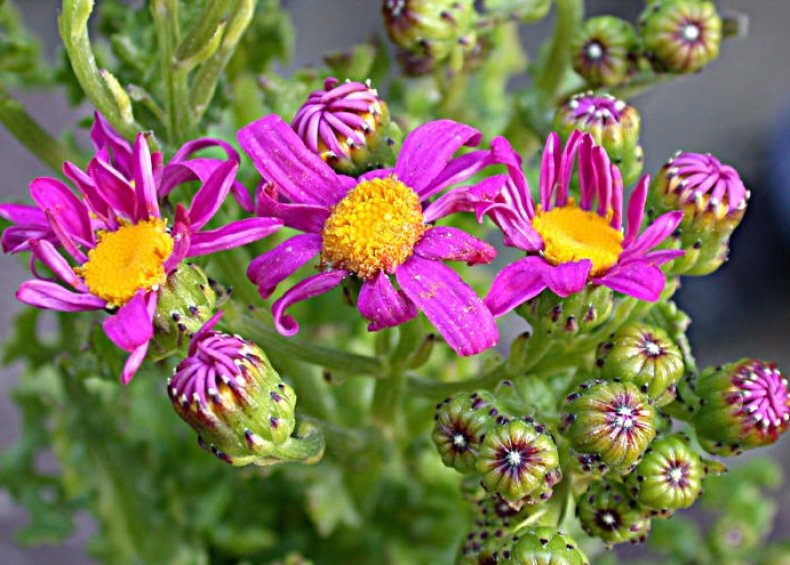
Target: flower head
608, 512
346, 124
605, 51
371, 228
570, 242
460, 425
109, 241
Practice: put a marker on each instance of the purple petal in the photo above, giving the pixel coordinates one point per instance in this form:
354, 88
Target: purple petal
382, 305
132, 325
145, 187
87, 188
17, 238
474, 198
566, 165
636, 210
451, 244
636, 278
568, 278
232, 235
182, 239
377, 174
603, 172
23, 214
662, 256
657, 232
48, 254
113, 188
271, 268
309, 287
549, 169
205, 143
212, 194
281, 157
105, 137
303, 217
449, 303
617, 198
458, 170
52, 296
54, 197
133, 363
426, 151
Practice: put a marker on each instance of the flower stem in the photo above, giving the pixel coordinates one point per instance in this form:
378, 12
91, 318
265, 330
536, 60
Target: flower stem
555, 66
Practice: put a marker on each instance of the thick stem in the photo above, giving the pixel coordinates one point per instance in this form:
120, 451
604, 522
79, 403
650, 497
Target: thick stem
555, 66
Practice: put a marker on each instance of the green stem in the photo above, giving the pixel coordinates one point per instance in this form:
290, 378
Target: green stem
555, 66
251, 325
419, 386
29, 133
389, 391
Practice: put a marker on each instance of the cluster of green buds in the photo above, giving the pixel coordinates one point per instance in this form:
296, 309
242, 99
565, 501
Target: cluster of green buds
576, 314
429, 32
612, 123
515, 457
227, 390
713, 199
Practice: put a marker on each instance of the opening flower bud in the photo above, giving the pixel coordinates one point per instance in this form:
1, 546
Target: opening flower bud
580, 312
460, 424
605, 51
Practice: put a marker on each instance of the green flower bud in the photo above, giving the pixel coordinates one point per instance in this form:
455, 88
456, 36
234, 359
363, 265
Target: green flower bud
643, 355
742, 405
547, 546
680, 36
606, 511
613, 125
669, 476
713, 200
578, 313
519, 461
612, 421
460, 423
186, 301
435, 29
604, 51
227, 390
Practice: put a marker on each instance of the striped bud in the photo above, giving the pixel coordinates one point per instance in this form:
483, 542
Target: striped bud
605, 51
606, 511
460, 424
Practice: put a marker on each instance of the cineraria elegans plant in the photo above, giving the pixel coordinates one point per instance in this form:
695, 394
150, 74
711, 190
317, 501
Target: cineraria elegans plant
301, 268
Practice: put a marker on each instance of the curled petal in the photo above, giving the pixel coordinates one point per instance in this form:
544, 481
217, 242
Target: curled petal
182, 239
55, 198
452, 244
636, 278
23, 214
449, 303
304, 217
458, 170
104, 138
52, 296
382, 305
17, 238
212, 194
309, 287
45, 252
475, 199
133, 362
144, 185
271, 268
113, 188
132, 325
426, 151
232, 235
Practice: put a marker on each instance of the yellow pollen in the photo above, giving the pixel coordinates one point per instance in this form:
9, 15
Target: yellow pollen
572, 234
374, 228
126, 260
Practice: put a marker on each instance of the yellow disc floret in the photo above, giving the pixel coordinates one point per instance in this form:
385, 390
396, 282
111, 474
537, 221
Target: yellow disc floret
374, 228
126, 260
572, 234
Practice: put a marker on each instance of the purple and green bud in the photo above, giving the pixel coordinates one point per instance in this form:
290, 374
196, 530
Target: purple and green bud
713, 200
580, 312
227, 390
680, 36
460, 424
605, 51
519, 461
669, 477
186, 301
491, 537
613, 125
612, 422
546, 546
606, 511
348, 126
742, 405
435, 30
644, 355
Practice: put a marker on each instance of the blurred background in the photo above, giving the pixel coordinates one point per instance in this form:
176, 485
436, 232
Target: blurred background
738, 108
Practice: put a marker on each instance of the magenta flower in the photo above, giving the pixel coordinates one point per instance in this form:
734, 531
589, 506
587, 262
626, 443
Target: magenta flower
118, 248
570, 243
373, 227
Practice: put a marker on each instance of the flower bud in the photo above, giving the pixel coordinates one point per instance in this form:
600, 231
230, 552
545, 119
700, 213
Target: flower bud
460, 424
519, 461
612, 421
347, 124
227, 390
604, 51
546, 546
606, 511
643, 355
680, 36
713, 200
669, 476
435, 29
580, 312
613, 125
186, 301
742, 405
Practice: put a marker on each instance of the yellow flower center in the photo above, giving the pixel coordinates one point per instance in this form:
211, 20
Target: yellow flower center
374, 228
126, 260
571, 234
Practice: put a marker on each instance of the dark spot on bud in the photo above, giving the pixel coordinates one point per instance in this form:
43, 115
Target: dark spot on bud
176, 316
276, 397
275, 423
193, 310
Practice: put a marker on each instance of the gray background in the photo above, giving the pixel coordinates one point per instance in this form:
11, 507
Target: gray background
734, 109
